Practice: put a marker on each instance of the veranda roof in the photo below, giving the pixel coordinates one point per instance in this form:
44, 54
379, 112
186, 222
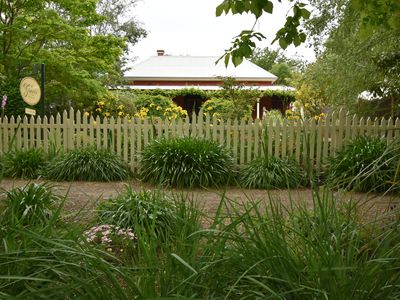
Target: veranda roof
200, 87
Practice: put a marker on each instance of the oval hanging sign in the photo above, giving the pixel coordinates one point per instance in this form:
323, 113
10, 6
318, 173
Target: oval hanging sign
30, 90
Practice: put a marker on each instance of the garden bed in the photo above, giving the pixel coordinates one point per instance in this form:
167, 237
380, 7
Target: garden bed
83, 197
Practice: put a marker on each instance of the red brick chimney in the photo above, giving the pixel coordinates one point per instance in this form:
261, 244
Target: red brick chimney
160, 52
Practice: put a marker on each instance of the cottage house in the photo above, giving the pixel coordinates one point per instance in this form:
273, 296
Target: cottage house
168, 72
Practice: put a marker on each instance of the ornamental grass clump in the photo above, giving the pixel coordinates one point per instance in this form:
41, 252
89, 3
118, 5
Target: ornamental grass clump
366, 164
152, 211
31, 205
272, 173
39, 265
24, 163
186, 162
88, 164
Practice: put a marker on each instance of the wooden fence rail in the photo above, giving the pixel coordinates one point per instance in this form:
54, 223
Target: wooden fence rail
307, 141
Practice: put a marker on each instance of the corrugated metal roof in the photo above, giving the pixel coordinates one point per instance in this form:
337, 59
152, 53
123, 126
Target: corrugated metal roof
195, 68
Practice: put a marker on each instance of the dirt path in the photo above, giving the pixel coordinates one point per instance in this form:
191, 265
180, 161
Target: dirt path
84, 196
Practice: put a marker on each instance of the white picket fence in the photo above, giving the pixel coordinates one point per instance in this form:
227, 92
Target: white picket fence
307, 141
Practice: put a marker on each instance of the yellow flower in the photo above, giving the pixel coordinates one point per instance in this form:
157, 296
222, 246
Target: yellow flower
158, 108
87, 113
120, 107
210, 108
152, 105
106, 114
98, 109
100, 103
121, 113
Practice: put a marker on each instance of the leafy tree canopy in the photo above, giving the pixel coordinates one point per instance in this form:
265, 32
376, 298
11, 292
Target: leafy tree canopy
360, 51
327, 15
276, 62
62, 34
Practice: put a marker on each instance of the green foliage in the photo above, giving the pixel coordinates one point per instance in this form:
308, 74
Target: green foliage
78, 62
266, 58
343, 257
236, 102
186, 162
218, 107
114, 105
244, 45
38, 264
189, 92
157, 106
275, 115
15, 105
309, 98
284, 73
30, 205
150, 210
272, 173
87, 164
277, 63
365, 164
260, 249
119, 20
24, 163
361, 51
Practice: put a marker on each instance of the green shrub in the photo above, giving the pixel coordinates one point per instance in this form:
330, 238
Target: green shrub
272, 173
274, 115
87, 164
365, 164
15, 105
157, 106
186, 162
150, 210
217, 107
28, 206
24, 163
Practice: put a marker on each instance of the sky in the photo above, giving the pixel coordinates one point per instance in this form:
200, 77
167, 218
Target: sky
190, 27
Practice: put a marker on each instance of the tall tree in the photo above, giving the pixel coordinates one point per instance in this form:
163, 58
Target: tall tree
358, 54
119, 21
57, 33
276, 62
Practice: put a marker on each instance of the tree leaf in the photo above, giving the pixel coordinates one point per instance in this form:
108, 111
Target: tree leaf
268, 7
237, 59
220, 9
283, 43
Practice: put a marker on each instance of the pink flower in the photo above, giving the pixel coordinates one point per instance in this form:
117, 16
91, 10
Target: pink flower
4, 102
